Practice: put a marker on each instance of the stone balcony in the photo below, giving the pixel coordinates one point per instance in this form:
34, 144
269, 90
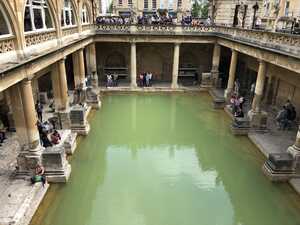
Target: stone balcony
281, 43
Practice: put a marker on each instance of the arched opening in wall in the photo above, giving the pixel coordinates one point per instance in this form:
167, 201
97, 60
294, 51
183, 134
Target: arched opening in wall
4, 23
150, 61
224, 66
70, 72
37, 16
115, 64
68, 14
85, 15
188, 73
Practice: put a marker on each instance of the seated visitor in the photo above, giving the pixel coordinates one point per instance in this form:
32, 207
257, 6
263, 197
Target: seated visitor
39, 175
281, 118
45, 140
55, 137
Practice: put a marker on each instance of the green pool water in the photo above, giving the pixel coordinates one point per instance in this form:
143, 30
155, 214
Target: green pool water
159, 159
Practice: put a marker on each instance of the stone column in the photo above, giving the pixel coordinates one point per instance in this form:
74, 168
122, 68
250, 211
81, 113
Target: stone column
81, 66
92, 65
11, 125
78, 67
60, 90
175, 65
232, 70
269, 90
259, 87
30, 115
63, 84
258, 118
133, 65
215, 64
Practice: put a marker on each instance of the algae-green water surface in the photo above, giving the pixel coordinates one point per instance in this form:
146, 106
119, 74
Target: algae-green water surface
170, 159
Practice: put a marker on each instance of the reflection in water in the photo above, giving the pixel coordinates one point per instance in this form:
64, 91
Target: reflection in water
167, 160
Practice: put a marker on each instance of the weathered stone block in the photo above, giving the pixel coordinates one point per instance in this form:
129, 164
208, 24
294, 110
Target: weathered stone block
57, 168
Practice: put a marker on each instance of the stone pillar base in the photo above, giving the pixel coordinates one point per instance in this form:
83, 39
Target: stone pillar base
28, 160
64, 119
174, 86
279, 167
227, 94
57, 168
258, 120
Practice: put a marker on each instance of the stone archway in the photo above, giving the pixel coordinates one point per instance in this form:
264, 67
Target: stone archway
150, 60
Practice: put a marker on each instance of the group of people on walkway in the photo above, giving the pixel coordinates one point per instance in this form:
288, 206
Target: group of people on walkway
112, 80
113, 20
46, 129
286, 116
155, 20
145, 79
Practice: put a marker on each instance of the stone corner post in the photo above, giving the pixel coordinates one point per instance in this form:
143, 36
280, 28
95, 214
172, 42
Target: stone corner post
175, 69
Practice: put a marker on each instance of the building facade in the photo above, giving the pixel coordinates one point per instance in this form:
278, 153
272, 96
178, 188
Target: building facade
235, 12
280, 14
148, 7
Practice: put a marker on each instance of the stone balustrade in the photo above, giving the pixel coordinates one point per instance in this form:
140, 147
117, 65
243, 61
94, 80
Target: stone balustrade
278, 42
69, 30
39, 37
7, 44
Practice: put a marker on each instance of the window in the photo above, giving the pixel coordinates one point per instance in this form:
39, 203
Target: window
67, 14
4, 25
179, 3
287, 7
130, 2
37, 15
154, 4
145, 4
120, 2
84, 15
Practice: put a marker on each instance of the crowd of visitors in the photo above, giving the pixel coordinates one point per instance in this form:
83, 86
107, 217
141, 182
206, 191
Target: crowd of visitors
195, 21
286, 116
145, 79
155, 20
113, 20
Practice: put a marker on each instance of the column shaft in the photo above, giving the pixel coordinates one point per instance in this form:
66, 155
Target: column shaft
63, 84
259, 87
81, 65
133, 65
175, 65
232, 70
29, 114
216, 58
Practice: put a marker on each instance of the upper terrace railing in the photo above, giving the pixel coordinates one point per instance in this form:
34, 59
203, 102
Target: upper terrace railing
278, 42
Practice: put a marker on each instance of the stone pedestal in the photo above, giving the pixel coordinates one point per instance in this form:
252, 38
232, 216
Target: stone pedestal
206, 81
279, 167
258, 120
27, 161
218, 99
240, 126
295, 153
57, 168
64, 119
78, 118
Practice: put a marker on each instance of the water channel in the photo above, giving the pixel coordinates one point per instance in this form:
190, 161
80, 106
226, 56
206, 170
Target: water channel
166, 159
